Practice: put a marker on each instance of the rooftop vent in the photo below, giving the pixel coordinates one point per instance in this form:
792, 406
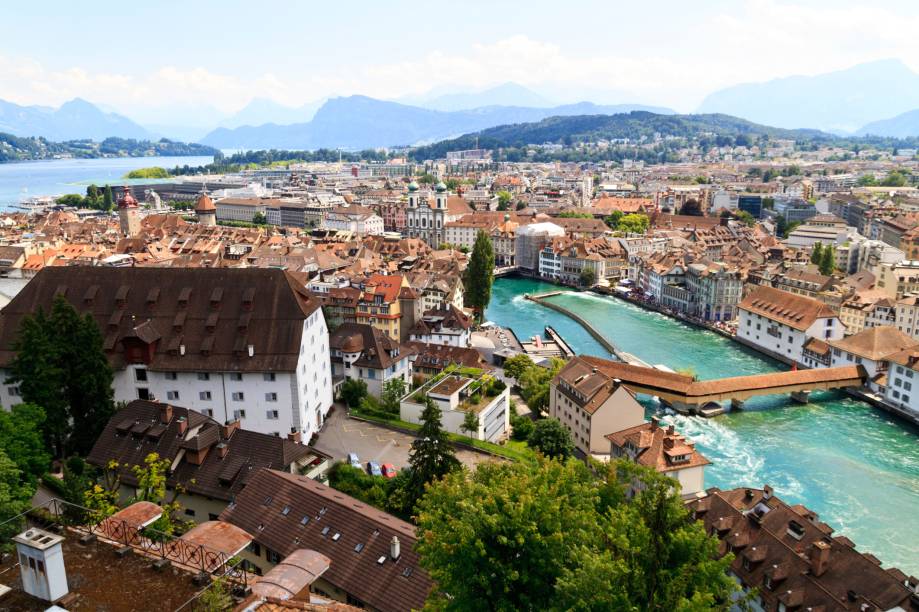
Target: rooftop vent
395, 548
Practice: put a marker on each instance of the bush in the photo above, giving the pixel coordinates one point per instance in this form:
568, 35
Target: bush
551, 438
352, 392
522, 428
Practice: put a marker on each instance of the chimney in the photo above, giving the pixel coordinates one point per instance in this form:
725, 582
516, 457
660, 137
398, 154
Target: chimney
251, 350
183, 425
668, 443
767, 492
222, 449
395, 548
294, 435
593, 370
181, 349
229, 428
819, 558
165, 413
655, 422
671, 430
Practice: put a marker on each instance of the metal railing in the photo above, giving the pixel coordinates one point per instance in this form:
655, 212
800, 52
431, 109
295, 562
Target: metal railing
147, 541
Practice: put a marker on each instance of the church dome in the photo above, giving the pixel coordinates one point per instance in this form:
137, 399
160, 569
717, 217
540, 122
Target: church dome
441, 187
413, 186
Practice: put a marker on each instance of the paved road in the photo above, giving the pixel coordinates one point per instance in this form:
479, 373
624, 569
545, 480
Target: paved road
342, 435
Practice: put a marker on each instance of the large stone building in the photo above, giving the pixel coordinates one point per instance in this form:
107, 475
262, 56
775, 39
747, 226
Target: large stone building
244, 344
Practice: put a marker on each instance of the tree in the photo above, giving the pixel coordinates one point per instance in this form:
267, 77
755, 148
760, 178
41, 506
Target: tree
534, 384
259, 218
781, 226
746, 218
518, 364
588, 276
470, 423
108, 201
431, 456
551, 438
634, 223
352, 391
61, 366
21, 439
71, 199
613, 219
480, 274
894, 178
393, 391
216, 597
504, 199
827, 260
816, 253
15, 498
519, 524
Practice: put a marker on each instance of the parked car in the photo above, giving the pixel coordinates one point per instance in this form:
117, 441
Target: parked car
374, 468
354, 461
389, 470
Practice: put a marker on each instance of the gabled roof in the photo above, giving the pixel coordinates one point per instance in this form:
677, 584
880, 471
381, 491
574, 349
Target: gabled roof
875, 342
354, 536
791, 309
658, 447
214, 313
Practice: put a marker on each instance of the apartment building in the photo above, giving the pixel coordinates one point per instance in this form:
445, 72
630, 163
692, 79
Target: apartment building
361, 352
591, 404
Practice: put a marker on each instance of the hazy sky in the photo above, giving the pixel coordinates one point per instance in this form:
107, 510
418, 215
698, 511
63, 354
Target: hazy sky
154, 60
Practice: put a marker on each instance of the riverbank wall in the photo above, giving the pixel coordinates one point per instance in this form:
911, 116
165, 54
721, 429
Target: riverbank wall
606, 292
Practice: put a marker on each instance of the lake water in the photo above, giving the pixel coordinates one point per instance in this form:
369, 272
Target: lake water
856, 466
20, 180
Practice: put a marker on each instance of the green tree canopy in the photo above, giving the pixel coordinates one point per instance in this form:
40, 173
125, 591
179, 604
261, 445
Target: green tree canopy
518, 364
353, 391
431, 456
504, 199
60, 365
480, 274
635, 223
827, 262
108, 201
588, 277
15, 498
551, 438
817, 253
534, 384
21, 439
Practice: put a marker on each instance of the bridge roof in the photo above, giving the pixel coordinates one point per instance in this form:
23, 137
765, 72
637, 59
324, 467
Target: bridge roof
775, 379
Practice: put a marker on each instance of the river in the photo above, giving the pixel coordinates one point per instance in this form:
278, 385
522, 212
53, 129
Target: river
19, 180
856, 466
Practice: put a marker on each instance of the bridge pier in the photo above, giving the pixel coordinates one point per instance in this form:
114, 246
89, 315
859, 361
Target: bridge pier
737, 404
683, 407
802, 397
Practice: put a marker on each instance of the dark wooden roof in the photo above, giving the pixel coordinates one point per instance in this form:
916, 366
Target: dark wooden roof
139, 429
365, 535
215, 314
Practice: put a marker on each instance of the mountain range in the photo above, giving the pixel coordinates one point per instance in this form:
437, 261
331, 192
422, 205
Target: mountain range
842, 102
73, 120
359, 122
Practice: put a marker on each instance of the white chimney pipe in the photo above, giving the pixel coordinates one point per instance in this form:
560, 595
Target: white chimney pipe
181, 349
251, 350
395, 548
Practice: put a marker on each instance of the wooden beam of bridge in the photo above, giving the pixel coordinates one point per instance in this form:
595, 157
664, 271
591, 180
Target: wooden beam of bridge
672, 387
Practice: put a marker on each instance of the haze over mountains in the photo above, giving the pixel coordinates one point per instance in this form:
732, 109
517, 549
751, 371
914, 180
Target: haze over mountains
880, 98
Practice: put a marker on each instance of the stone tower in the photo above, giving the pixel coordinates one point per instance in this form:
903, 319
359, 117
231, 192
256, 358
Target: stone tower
205, 210
128, 213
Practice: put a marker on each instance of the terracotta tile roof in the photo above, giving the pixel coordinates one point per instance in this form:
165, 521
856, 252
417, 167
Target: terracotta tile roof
360, 554
796, 311
660, 448
875, 342
790, 556
378, 351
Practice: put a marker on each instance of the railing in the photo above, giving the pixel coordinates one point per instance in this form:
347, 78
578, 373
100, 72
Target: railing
146, 541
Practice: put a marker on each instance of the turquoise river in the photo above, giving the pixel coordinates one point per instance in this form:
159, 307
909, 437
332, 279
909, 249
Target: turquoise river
856, 466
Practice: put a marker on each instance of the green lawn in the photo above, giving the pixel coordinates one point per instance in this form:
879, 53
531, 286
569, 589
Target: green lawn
512, 449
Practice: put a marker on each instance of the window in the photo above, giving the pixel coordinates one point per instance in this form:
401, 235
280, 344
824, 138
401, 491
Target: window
272, 415
172, 395
269, 377
907, 386
237, 376
207, 412
204, 376
171, 376
204, 396
271, 397
239, 414
238, 396
255, 549
905, 399
143, 393
189, 512
140, 375
371, 373
271, 556
14, 391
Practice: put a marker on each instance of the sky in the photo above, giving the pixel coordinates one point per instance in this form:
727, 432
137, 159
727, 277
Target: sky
194, 62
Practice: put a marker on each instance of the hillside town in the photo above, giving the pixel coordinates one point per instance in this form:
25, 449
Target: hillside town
268, 331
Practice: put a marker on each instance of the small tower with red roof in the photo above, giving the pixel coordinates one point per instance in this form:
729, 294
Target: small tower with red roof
128, 213
205, 210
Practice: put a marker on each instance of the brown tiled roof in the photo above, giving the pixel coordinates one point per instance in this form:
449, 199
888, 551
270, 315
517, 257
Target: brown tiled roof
316, 513
138, 430
760, 530
658, 446
215, 314
438, 356
377, 350
875, 342
796, 311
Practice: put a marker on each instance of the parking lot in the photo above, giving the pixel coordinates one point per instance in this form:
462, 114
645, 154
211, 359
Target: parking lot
342, 435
